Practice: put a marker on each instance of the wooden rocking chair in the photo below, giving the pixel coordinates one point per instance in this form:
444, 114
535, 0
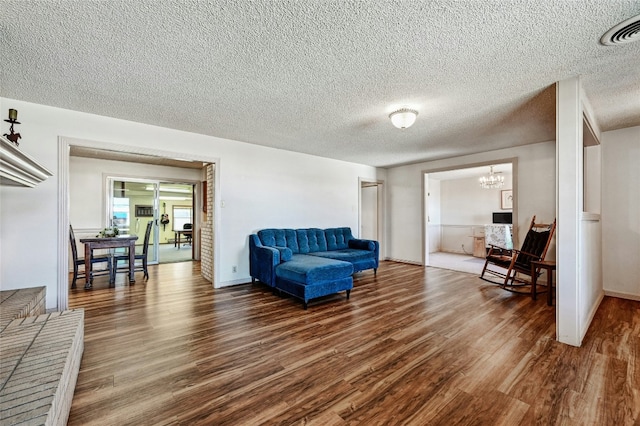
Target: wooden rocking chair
534, 248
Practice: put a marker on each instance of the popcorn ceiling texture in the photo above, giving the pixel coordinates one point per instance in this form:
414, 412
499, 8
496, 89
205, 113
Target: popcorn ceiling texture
321, 76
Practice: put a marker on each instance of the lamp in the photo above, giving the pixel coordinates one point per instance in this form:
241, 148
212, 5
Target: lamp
491, 181
403, 118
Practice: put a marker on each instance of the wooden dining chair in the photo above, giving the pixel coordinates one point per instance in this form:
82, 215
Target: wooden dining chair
96, 259
510, 265
142, 266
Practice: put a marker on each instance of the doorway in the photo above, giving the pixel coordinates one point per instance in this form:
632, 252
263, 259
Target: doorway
179, 223
371, 211
457, 210
126, 160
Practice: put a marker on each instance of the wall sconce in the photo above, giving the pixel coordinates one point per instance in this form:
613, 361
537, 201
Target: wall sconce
13, 117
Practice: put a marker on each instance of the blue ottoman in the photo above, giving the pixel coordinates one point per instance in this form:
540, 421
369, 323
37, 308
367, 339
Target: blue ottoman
308, 277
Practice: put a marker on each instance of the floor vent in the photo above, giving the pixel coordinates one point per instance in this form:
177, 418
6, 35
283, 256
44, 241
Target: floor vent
625, 32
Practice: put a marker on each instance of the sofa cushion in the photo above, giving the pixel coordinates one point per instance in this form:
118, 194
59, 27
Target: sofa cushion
337, 238
312, 269
347, 255
285, 253
311, 240
279, 238
362, 244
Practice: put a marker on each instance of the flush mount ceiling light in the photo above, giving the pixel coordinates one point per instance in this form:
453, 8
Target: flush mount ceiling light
403, 118
625, 32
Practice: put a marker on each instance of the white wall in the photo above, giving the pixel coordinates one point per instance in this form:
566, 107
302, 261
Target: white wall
590, 278
591, 230
535, 186
578, 234
592, 178
464, 202
433, 216
621, 212
261, 187
87, 195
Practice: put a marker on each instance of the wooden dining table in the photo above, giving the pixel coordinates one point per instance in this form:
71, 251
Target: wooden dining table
90, 244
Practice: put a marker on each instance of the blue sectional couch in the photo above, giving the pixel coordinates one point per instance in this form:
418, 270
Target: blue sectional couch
310, 263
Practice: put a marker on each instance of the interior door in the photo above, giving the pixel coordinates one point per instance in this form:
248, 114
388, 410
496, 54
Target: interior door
369, 211
131, 205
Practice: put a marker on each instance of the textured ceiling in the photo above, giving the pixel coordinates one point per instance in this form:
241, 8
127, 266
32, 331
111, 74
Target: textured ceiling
321, 76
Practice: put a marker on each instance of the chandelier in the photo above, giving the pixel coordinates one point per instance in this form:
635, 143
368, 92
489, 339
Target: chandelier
492, 181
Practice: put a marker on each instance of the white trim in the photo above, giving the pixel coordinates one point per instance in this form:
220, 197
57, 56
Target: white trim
592, 314
589, 217
18, 168
64, 144
410, 262
621, 295
63, 225
234, 282
569, 155
589, 116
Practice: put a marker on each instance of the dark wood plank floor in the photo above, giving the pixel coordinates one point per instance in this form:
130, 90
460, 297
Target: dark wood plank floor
413, 346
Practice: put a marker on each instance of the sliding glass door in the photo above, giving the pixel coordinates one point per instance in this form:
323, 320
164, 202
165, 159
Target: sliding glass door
131, 205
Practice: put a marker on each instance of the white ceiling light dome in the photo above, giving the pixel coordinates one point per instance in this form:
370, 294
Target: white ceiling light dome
403, 118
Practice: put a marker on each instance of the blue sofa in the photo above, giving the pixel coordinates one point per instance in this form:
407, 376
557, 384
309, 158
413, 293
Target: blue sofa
310, 263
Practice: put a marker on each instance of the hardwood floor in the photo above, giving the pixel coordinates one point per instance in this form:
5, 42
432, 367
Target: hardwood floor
413, 346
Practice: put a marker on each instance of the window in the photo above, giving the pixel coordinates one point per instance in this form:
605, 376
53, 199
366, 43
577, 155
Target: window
121, 213
181, 215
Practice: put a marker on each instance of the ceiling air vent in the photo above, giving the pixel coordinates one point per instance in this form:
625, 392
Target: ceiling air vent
625, 32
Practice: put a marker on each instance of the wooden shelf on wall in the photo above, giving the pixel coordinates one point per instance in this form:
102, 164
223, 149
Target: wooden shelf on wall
19, 169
